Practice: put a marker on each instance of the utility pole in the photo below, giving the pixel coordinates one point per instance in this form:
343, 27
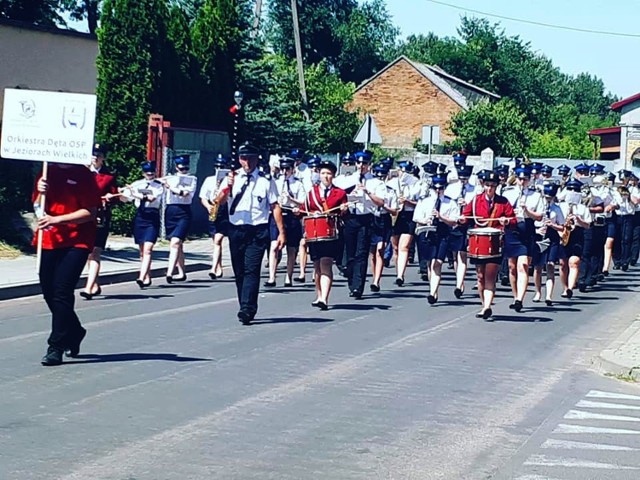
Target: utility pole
256, 18
296, 36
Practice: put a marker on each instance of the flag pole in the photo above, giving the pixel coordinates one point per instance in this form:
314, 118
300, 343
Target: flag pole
41, 205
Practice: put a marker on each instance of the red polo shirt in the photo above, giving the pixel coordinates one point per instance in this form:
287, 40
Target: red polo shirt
70, 189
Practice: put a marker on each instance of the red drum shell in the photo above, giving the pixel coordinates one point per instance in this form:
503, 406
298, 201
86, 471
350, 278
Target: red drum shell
485, 243
321, 228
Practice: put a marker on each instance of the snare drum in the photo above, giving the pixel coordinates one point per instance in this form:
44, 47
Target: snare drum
321, 228
485, 243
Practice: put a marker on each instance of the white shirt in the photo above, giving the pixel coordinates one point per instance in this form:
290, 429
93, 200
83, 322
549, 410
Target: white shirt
455, 191
363, 204
298, 191
152, 188
408, 187
423, 213
255, 205
390, 201
552, 212
519, 198
177, 183
635, 193
623, 202
578, 210
209, 188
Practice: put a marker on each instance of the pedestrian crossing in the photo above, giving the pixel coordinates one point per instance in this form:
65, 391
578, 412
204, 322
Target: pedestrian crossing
597, 438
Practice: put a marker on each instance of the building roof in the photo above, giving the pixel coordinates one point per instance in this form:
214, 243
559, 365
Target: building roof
605, 130
461, 92
52, 30
625, 101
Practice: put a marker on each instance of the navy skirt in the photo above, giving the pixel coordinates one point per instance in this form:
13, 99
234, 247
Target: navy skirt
520, 240
221, 223
331, 249
177, 219
552, 253
146, 225
381, 230
576, 243
404, 224
292, 228
610, 224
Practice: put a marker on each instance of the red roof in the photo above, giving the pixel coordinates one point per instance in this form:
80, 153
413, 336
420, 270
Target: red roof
625, 101
604, 131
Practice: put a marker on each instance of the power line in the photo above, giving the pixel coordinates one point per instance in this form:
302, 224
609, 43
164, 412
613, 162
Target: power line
540, 24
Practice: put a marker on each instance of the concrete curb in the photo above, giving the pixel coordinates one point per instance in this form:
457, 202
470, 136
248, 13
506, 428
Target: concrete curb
108, 278
613, 360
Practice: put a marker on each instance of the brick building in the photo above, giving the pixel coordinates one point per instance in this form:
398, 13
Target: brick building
405, 95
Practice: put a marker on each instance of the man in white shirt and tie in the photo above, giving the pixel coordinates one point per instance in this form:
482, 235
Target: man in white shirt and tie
252, 197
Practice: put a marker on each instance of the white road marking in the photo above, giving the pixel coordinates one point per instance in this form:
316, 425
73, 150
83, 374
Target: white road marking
619, 396
580, 415
569, 445
544, 461
612, 406
110, 321
564, 428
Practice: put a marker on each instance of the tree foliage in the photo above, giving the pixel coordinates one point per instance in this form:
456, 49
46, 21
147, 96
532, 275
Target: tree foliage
45, 13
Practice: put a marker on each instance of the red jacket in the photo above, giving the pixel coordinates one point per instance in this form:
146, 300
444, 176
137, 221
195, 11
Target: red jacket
500, 208
316, 202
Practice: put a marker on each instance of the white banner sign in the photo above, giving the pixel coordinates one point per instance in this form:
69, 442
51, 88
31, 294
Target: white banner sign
48, 126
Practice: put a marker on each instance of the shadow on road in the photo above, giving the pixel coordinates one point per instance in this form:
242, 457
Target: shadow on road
133, 357
133, 296
268, 321
521, 318
360, 306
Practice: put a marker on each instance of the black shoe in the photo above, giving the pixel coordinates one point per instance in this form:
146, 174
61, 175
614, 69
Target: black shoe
212, 276
387, 262
512, 306
605, 273
625, 267
424, 277
399, 281
504, 282
457, 293
616, 267
322, 306
582, 288
374, 287
299, 279
86, 295
141, 284
74, 349
180, 279
355, 294
288, 284
569, 293
269, 284
488, 315
549, 303
600, 277
517, 306
431, 299
244, 317
169, 279
53, 357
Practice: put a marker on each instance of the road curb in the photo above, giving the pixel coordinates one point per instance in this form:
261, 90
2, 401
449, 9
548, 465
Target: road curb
109, 278
611, 360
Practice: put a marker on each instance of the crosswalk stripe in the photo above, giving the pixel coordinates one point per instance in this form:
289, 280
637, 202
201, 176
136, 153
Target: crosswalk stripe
606, 405
580, 415
544, 461
565, 428
569, 445
619, 396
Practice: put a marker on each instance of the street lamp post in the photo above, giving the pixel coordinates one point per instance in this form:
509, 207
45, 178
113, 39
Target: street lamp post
237, 97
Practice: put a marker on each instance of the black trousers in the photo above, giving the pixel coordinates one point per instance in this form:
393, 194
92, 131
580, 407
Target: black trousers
357, 240
635, 242
247, 245
60, 271
623, 240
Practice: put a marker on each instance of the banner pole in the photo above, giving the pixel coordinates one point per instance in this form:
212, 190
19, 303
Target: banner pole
41, 203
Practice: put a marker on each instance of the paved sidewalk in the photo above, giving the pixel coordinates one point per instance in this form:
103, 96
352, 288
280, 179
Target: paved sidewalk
120, 263
622, 357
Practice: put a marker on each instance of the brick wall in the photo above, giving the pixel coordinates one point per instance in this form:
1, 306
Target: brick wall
401, 101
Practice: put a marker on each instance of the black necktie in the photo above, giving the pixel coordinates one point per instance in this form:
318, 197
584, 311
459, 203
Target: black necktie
288, 187
437, 208
237, 198
362, 178
326, 192
490, 203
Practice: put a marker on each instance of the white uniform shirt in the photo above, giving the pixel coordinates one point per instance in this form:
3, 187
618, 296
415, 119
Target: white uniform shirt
635, 193
578, 210
390, 201
209, 189
255, 205
518, 198
624, 202
455, 191
296, 190
153, 188
423, 213
552, 212
177, 183
363, 204
408, 187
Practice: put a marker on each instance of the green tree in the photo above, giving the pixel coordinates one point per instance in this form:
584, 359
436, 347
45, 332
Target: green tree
501, 126
127, 72
84, 9
45, 13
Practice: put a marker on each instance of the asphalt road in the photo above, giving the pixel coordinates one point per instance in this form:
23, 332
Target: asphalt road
170, 386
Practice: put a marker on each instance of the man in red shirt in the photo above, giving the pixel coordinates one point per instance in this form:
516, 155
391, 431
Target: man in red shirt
68, 228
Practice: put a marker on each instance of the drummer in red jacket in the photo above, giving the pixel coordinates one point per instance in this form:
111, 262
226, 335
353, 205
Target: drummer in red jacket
325, 198
488, 205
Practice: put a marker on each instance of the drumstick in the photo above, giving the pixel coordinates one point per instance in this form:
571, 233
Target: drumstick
319, 213
113, 195
486, 218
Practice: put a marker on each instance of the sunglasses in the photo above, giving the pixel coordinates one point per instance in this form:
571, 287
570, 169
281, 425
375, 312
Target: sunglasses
183, 168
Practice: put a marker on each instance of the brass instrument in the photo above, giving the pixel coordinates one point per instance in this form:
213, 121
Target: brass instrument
213, 213
569, 226
623, 190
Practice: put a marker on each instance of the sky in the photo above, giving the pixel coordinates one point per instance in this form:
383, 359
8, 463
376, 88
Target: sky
614, 59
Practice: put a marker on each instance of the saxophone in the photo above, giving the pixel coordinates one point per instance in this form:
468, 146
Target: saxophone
565, 235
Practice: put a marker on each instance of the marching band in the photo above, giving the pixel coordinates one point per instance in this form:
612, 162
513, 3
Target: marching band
513, 222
